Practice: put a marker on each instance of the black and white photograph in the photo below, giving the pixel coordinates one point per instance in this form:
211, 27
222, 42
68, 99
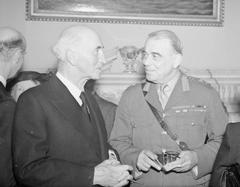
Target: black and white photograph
119, 93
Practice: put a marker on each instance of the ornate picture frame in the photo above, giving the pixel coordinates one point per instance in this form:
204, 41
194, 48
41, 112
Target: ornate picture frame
158, 12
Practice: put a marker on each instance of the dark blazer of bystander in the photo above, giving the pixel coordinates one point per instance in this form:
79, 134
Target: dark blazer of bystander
7, 108
228, 154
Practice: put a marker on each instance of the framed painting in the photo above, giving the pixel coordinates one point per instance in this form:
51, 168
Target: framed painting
162, 12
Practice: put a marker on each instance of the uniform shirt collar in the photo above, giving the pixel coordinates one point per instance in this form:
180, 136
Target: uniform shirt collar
171, 84
167, 89
3, 80
74, 90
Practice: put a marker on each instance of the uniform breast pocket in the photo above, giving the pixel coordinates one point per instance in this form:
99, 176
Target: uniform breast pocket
142, 130
141, 121
191, 128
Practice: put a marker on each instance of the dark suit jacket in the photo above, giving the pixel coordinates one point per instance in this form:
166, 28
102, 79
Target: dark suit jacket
108, 110
54, 142
228, 154
7, 107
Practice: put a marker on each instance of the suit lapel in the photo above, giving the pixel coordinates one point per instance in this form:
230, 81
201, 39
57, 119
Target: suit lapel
98, 121
3, 92
69, 108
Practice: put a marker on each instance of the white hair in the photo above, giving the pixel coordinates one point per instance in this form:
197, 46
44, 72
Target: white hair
70, 39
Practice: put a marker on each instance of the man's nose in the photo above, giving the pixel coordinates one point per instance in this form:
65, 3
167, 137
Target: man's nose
146, 61
102, 59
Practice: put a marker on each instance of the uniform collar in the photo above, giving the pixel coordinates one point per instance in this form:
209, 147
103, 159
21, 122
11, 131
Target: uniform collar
170, 84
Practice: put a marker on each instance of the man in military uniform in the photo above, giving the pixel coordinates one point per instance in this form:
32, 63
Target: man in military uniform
191, 109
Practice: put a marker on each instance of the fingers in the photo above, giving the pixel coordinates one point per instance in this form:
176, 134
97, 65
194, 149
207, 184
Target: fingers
123, 179
113, 162
187, 160
123, 182
146, 159
175, 165
122, 168
108, 173
125, 176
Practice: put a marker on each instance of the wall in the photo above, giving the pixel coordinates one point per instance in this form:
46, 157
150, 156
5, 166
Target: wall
204, 47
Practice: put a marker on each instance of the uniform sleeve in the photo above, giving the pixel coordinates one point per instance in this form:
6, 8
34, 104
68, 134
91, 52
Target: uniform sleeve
7, 108
121, 135
33, 164
216, 121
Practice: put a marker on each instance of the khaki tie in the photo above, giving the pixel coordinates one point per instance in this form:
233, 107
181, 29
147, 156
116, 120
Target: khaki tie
163, 97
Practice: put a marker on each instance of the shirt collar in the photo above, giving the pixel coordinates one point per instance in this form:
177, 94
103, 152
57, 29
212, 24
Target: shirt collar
173, 81
171, 84
3, 80
74, 90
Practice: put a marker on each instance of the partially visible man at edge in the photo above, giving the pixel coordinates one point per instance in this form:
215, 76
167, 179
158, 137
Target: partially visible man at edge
59, 135
12, 49
191, 109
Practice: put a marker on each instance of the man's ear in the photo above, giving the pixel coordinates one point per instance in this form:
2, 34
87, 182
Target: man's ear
71, 57
178, 60
15, 57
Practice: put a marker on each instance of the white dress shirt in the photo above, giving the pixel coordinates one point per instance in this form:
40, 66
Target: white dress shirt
3, 80
74, 90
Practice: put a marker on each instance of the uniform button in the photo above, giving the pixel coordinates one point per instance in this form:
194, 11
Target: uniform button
163, 132
31, 132
164, 114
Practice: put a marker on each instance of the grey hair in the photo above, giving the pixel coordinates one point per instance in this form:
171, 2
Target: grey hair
171, 36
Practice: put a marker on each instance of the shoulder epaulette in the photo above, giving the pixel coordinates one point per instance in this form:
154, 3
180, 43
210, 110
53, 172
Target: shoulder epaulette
205, 83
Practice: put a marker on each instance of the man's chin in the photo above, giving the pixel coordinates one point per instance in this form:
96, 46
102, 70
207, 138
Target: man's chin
149, 77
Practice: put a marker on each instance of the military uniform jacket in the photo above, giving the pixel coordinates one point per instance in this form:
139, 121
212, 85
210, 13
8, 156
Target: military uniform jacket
194, 111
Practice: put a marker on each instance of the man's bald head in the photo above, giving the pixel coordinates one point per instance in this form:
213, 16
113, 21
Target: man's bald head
11, 39
12, 48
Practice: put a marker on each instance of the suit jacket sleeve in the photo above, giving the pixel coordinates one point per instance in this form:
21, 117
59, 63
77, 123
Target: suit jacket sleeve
34, 166
216, 121
7, 108
228, 154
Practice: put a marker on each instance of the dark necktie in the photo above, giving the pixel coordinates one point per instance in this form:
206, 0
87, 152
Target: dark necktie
84, 106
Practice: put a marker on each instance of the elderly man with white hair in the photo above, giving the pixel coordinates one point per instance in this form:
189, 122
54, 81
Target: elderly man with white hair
59, 133
12, 48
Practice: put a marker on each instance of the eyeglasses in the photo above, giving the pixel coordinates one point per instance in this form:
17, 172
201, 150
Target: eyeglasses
155, 56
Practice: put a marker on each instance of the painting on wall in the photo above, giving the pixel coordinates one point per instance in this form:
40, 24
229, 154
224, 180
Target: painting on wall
162, 12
